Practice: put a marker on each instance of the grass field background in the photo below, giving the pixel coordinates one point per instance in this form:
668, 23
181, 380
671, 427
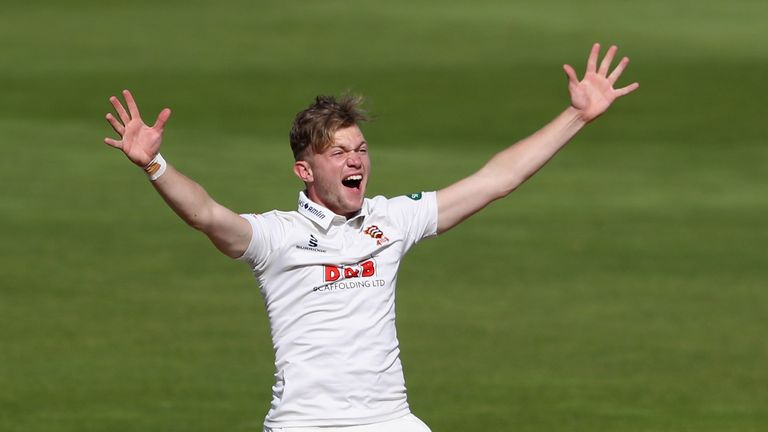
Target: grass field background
621, 289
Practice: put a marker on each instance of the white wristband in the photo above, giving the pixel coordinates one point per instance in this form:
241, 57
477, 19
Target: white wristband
156, 167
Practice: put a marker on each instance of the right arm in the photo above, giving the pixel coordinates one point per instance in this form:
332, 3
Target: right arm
228, 231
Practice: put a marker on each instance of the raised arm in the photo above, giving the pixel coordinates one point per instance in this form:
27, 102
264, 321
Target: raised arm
590, 97
229, 232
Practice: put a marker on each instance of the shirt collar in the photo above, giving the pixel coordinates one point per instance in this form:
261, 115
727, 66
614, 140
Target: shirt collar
324, 217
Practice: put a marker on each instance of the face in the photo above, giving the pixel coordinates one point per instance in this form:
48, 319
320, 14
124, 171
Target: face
337, 177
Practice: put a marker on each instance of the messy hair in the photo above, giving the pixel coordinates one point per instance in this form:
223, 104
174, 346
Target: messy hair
314, 127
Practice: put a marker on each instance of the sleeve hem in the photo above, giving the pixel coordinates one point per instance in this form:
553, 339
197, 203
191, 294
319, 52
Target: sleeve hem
247, 255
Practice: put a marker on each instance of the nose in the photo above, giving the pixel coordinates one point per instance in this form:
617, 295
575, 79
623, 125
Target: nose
354, 160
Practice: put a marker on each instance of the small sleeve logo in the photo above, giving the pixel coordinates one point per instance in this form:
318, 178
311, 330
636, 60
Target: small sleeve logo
415, 196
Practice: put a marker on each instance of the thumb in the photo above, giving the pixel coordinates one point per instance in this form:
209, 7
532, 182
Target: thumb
571, 73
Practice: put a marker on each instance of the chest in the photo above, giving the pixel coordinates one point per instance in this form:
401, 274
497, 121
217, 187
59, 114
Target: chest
341, 245
342, 267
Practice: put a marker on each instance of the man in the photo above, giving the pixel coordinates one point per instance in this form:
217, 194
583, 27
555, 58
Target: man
328, 270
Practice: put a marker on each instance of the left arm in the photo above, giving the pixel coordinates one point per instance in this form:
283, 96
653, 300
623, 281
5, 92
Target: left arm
511, 167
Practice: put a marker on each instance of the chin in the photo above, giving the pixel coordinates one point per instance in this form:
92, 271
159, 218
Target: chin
354, 198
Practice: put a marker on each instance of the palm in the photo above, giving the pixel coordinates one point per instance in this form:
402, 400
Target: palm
592, 96
595, 93
139, 142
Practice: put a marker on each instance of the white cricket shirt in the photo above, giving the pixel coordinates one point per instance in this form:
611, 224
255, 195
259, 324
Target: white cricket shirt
329, 288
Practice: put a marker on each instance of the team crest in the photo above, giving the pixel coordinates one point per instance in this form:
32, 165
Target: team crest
377, 234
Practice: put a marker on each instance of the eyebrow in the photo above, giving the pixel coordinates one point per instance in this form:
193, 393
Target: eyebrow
362, 143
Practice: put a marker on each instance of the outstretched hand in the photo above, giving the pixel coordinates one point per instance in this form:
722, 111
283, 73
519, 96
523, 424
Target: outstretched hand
595, 93
139, 142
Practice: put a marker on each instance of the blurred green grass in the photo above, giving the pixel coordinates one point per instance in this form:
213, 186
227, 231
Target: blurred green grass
621, 289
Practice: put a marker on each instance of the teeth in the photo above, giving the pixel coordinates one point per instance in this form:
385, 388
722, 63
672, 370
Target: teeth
354, 177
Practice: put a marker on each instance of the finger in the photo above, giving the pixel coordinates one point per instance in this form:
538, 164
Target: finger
592, 61
114, 143
116, 125
132, 108
124, 117
572, 78
606, 63
626, 90
162, 118
614, 76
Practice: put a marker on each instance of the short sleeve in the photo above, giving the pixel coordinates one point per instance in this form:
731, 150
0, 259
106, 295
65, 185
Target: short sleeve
267, 231
416, 215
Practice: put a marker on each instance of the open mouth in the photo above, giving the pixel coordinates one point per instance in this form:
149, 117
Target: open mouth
353, 181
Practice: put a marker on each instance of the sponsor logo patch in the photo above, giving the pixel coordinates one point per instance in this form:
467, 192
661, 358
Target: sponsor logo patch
305, 205
345, 278
363, 269
314, 211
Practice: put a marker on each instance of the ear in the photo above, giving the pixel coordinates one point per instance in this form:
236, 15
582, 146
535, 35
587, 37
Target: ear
303, 170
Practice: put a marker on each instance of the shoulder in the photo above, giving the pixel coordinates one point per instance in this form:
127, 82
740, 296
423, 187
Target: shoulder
414, 214
270, 230
405, 210
410, 199
401, 202
275, 223
275, 216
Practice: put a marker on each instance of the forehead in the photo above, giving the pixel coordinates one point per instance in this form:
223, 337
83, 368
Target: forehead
348, 136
